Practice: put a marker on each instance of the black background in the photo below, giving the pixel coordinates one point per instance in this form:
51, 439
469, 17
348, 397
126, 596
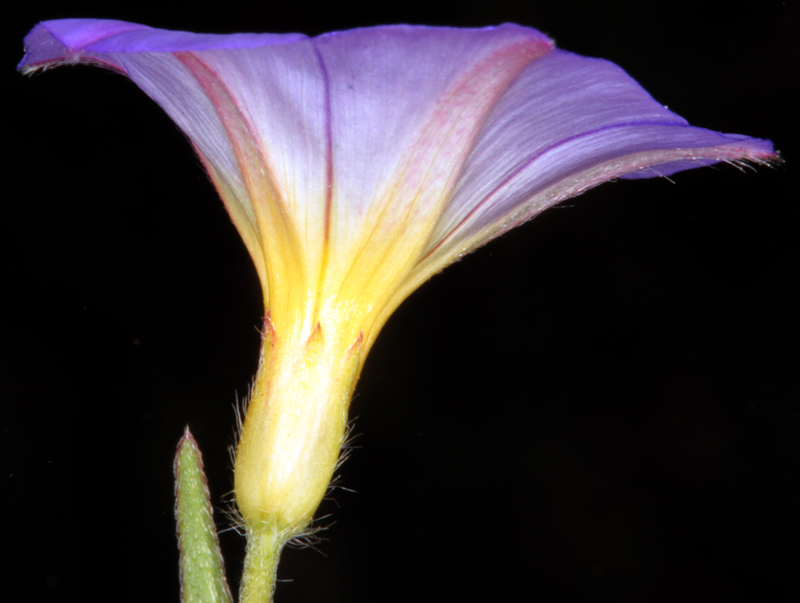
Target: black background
603, 405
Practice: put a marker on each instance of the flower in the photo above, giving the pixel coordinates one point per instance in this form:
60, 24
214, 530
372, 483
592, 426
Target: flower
358, 164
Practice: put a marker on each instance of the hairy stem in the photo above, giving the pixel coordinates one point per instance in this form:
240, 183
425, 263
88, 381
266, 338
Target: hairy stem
261, 564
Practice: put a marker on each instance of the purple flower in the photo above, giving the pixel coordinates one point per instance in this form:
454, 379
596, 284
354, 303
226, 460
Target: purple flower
358, 164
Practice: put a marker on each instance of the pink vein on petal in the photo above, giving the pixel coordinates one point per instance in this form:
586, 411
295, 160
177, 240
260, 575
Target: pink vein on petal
246, 149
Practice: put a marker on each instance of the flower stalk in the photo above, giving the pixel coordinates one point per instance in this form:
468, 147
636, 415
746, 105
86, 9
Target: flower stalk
260, 573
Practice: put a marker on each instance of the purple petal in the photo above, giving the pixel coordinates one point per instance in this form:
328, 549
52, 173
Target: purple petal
66, 39
407, 144
567, 124
338, 127
165, 64
400, 135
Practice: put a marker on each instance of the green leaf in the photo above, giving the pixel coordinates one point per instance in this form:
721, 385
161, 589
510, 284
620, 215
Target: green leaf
202, 569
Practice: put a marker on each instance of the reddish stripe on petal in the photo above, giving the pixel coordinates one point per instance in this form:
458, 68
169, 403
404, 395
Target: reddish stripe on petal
460, 114
240, 133
275, 225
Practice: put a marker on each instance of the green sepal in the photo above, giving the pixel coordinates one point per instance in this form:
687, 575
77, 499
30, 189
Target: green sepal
202, 569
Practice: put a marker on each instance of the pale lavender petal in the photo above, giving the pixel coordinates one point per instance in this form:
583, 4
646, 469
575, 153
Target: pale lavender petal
340, 132
70, 39
390, 118
405, 144
567, 124
348, 137
161, 64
